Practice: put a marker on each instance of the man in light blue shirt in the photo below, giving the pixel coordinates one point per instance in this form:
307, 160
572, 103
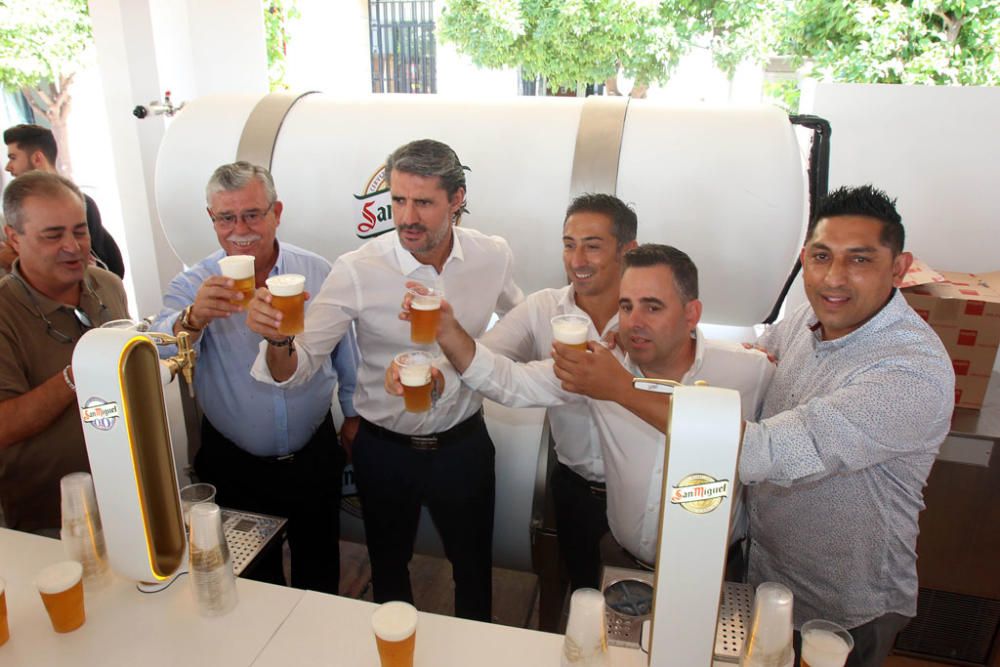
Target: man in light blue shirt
266, 449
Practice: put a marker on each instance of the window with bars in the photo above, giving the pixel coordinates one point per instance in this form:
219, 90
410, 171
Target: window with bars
402, 46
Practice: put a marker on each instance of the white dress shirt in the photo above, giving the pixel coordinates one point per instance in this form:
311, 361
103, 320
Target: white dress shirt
366, 287
525, 334
633, 450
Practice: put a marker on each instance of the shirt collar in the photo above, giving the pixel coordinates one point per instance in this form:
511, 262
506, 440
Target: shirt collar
699, 356
408, 263
890, 313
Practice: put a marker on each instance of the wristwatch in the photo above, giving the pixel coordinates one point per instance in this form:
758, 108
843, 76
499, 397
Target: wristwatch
185, 320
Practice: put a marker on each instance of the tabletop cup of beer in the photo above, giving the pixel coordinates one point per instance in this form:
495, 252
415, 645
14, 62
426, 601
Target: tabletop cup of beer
4, 628
61, 589
425, 312
288, 296
415, 376
825, 644
571, 330
395, 627
239, 269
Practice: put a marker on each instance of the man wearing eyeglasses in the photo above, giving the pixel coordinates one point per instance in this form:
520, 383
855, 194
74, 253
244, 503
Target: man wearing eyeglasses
266, 449
50, 298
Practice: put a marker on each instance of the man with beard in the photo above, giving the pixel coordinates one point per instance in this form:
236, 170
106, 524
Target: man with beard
266, 449
658, 314
442, 458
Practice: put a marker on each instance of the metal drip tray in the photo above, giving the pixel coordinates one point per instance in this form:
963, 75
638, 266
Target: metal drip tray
247, 534
628, 596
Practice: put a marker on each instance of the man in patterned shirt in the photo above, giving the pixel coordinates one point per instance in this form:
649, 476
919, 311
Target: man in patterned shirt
850, 427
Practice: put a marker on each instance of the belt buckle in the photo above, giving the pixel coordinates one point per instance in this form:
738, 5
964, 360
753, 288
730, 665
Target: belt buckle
598, 491
287, 458
424, 443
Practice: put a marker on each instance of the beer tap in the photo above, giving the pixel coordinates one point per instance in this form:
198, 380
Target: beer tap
183, 361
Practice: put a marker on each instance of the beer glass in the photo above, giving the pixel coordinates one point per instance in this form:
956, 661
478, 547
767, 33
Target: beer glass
4, 628
571, 330
239, 268
195, 494
425, 313
61, 588
288, 297
415, 376
395, 627
825, 644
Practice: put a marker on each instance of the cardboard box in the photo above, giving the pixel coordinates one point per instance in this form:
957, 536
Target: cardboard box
964, 310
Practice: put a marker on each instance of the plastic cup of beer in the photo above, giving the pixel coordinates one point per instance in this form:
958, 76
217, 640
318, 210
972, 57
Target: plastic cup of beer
571, 330
425, 313
395, 627
4, 628
825, 644
61, 588
415, 376
287, 296
195, 494
239, 268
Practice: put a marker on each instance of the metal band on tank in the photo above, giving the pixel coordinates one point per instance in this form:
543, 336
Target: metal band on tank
260, 133
598, 145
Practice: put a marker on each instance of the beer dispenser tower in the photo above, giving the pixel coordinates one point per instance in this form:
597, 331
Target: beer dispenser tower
119, 388
699, 471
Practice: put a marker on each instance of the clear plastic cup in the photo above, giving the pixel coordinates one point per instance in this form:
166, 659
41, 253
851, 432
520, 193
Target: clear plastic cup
82, 533
415, 376
211, 566
288, 296
239, 268
61, 589
825, 644
586, 640
395, 628
571, 330
425, 313
769, 642
192, 495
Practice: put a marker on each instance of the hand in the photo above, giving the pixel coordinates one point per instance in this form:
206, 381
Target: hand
394, 386
753, 346
595, 373
213, 300
348, 431
264, 319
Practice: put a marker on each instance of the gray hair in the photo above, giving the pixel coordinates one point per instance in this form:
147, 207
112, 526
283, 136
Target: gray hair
238, 175
656, 254
35, 184
429, 158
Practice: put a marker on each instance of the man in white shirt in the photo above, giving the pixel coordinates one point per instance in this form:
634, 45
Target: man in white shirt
442, 458
597, 231
658, 316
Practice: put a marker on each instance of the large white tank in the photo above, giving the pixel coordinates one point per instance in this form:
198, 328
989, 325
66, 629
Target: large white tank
726, 186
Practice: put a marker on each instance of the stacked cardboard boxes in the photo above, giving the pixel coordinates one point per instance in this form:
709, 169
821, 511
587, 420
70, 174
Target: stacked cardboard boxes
964, 310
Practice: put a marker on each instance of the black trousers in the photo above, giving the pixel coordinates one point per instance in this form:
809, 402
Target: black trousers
305, 489
457, 483
581, 512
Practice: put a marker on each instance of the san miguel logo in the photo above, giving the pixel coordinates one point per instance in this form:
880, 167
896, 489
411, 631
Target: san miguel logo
375, 210
699, 493
100, 414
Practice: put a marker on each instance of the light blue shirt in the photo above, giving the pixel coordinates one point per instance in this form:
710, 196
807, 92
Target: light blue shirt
264, 420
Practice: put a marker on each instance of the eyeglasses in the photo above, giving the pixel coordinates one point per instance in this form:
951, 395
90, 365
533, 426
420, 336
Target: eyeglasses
250, 218
82, 318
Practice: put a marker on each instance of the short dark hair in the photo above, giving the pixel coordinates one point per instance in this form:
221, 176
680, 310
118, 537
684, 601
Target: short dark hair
867, 201
33, 138
429, 158
34, 184
678, 261
623, 219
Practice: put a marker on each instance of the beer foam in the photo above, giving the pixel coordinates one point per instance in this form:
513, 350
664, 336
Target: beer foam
394, 621
415, 375
287, 284
570, 331
823, 648
59, 577
237, 266
425, 302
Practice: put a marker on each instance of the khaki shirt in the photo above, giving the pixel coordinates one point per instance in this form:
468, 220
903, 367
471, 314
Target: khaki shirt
30, 470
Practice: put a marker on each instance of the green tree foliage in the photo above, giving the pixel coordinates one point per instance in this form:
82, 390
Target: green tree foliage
277, 14
42, 43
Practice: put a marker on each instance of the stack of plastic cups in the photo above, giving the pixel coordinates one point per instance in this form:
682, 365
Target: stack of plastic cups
769, 643
211, 567
82, 534
586, 643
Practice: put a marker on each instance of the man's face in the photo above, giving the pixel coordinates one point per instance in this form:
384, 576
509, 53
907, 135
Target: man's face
654, 325
422, 211
54, 247
254, 226
18, 160
591, 254
848, 273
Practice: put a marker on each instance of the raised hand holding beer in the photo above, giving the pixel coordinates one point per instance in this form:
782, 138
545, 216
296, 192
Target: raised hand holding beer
239, 268
217, 297
264, 317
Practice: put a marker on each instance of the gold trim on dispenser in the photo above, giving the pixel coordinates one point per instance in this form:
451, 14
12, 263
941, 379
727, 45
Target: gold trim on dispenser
152, 456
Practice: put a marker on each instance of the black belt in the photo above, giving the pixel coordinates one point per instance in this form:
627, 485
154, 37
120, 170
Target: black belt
596, 488
429, 442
